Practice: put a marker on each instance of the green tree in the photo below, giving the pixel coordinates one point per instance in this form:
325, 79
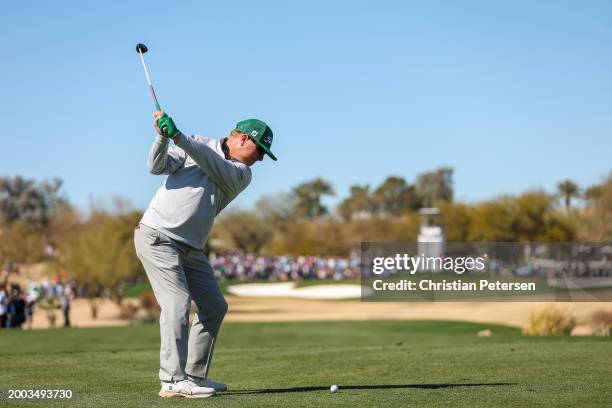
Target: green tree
492, 221
21, 242
244, 230
27, 201
308, 198
359, 202
435, 186
528, 217
596, 220
395, 197
455, 218
100, 253
535, 218
29, 217
404, 228
62, 221
592, 193
277, 211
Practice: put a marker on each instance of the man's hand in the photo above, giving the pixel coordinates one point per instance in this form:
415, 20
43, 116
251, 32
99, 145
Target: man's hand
164, 125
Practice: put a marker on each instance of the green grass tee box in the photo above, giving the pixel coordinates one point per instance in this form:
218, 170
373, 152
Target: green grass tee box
375, 363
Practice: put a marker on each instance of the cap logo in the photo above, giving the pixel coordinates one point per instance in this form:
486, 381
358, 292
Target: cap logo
254, 133
268, 139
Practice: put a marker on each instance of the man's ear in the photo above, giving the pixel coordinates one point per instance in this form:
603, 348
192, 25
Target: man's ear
244, 139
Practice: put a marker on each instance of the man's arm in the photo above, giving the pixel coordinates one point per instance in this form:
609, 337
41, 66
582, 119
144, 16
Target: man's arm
164, 159
231, 176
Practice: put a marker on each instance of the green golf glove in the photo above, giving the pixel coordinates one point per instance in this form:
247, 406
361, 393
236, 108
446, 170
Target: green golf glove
167, 126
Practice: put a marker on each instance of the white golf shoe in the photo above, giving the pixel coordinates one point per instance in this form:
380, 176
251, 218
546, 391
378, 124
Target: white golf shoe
217, 386
185, 388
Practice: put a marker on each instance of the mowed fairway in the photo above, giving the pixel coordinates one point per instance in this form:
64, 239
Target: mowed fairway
383, 363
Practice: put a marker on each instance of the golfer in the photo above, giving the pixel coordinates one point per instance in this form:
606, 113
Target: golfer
203, 176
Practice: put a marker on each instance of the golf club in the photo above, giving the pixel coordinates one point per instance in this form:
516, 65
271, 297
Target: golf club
141, 49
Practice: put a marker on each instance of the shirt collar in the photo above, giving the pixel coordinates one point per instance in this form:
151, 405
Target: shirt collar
225, 149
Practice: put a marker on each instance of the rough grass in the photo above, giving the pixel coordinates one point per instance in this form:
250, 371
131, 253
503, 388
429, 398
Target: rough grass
293, 364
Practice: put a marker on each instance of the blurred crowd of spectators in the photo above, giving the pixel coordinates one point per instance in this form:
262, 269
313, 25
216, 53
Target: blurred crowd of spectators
17, 304
547, 270
282, 268
240, 266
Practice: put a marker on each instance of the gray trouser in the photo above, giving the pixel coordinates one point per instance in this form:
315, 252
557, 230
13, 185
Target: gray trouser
179, 273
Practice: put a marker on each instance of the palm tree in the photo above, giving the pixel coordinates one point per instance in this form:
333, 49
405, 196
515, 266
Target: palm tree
568, 190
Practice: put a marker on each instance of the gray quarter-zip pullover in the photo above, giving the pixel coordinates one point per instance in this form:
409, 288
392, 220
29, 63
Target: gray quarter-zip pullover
200, 183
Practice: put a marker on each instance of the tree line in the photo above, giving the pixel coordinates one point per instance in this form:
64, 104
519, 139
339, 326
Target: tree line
298, 222
37, 224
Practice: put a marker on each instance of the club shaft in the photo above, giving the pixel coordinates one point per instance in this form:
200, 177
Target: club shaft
157, 107
149, 81
145, 68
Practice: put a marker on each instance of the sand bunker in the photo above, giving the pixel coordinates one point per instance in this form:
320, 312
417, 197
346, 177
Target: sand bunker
289, 290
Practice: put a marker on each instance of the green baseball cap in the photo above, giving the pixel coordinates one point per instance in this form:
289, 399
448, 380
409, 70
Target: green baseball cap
259, 132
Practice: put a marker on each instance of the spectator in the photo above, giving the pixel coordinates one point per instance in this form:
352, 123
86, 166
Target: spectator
29, 307
16, 315
68, 297
4, 300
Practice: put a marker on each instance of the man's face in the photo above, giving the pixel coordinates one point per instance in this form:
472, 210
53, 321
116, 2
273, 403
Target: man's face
251, 152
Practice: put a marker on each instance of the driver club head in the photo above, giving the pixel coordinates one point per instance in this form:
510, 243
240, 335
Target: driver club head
141, 48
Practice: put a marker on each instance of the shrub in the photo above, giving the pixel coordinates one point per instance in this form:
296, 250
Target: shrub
128, 310
50, 305
150, 306
549, 321
602, 323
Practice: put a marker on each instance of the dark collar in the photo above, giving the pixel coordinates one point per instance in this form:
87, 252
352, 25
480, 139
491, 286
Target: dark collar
225, 148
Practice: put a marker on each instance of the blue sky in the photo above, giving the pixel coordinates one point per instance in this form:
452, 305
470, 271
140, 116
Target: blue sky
514, 95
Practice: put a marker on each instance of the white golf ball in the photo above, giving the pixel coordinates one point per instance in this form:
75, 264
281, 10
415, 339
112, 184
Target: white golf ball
333, 388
